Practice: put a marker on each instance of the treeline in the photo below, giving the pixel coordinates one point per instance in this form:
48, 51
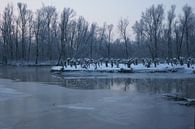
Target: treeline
46, 35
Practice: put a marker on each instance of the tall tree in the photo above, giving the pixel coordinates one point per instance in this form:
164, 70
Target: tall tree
66, 16
37, 28
7, 33
23, 20
170, 18
123, 26
16, 33
102, 37
49, 16
178, 38
92, 36
81, 38
30, 29
110, 34
138, 30
72, 36
186, 21
152, 21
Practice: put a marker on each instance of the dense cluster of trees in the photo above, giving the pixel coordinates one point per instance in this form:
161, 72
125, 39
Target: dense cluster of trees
45, 35
167, 36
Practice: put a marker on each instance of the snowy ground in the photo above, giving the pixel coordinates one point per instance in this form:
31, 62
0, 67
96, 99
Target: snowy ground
134, 68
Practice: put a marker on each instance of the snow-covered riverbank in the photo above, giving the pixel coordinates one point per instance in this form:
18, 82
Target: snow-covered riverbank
140, 68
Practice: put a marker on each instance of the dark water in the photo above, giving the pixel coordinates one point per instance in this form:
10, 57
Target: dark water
93, 100
144, 83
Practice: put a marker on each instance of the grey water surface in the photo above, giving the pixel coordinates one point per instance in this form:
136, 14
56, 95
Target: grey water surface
34, 98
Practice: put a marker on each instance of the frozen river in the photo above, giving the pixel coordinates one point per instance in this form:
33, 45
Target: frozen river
33, 98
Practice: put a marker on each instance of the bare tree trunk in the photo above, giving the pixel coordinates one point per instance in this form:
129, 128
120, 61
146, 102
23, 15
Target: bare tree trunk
4, 59
37, 49
155, 45
16, 41
91, 49
180, 44
187, 43
23, 45
29, 46
126, 50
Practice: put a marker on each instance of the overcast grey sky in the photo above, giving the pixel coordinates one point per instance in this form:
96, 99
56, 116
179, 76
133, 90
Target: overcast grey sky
99, 11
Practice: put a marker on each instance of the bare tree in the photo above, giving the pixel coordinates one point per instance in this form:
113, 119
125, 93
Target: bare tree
170, 18
66, 16
25, 35
186, 21
123, 26
55, 37
49, 15
72, 29
102, 37
138, 30
110, 34
152, 21
7, 32
16, 33
37, 25
30, 29
23, 20
178, 38
92, 35
81, 38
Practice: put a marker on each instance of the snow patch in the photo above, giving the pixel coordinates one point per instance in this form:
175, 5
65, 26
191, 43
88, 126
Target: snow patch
56, 68
8, 93
140, 68
76, 107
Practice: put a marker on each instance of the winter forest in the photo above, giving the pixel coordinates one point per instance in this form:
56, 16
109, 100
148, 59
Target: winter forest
45, 35
97, 64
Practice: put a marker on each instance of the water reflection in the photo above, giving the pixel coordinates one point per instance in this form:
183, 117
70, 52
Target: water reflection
184, 86
27, 74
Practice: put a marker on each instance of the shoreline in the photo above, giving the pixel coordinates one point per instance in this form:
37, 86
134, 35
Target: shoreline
161, 68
